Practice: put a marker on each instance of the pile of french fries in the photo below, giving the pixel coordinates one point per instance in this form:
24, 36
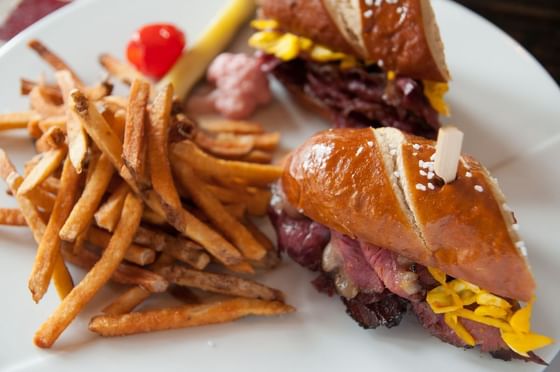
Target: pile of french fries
133, 191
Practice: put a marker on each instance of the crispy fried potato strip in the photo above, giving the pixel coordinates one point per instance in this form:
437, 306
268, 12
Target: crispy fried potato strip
151, 238
254, 174
185, 316
120, 70
82, 213
219, 216
52, 138
12, 217
186, 251
127, 301
135, 253
33, 219
49, 245
220, 283
108, 214
52, 59
231, 126
134, 147
77, 137
101, 272
124, 274
48, 163
16, 120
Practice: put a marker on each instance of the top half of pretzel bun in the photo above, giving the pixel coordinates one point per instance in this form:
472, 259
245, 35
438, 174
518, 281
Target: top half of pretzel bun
378, 186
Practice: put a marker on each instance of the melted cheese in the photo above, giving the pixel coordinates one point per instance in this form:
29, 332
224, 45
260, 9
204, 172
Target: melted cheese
450, 299
435, 92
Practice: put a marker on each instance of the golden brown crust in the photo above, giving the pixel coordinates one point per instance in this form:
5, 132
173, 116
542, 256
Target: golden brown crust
396, 34
463, 226
337, 178
401, 36
306, 18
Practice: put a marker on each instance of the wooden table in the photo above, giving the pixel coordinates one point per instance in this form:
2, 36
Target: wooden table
535, 24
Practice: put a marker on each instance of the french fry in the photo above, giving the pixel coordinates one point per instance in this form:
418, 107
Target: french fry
227, 145
109, 143
31, 163
219, 216
141, 136
62, 279
182, 128
61, 276
272, 258
120, 70
102, 134
52, 59
237, 210
34, 129
256, 199
99, 91
51, 139
77, 138
124, 274
42, 199
82, 214
136, 254
185, 316
220, 283
187, 251
257, 156
150, 238
134, 147
127, 301
51, 184
12, 217
117, 121
164, 260
50, 90
48, 163
53, 121
80, 296
153, 218
164, 187
213, 242
255, 174
115, 103
108, 214
41, 103
49, 245
136, 295
265, 141
249, 147
16, 120
158, 159
231, 126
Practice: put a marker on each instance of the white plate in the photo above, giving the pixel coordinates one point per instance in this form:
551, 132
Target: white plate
504, 101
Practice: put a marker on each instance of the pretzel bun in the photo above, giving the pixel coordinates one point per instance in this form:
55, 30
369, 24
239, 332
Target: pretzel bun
400, 35
367, 184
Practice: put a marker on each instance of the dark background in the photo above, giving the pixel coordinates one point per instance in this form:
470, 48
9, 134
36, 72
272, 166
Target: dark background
535, 24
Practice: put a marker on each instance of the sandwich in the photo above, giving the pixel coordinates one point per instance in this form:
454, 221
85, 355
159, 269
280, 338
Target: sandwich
360, 63
366, 210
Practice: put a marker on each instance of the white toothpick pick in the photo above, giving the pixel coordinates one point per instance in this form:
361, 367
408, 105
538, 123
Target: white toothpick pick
448, 152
